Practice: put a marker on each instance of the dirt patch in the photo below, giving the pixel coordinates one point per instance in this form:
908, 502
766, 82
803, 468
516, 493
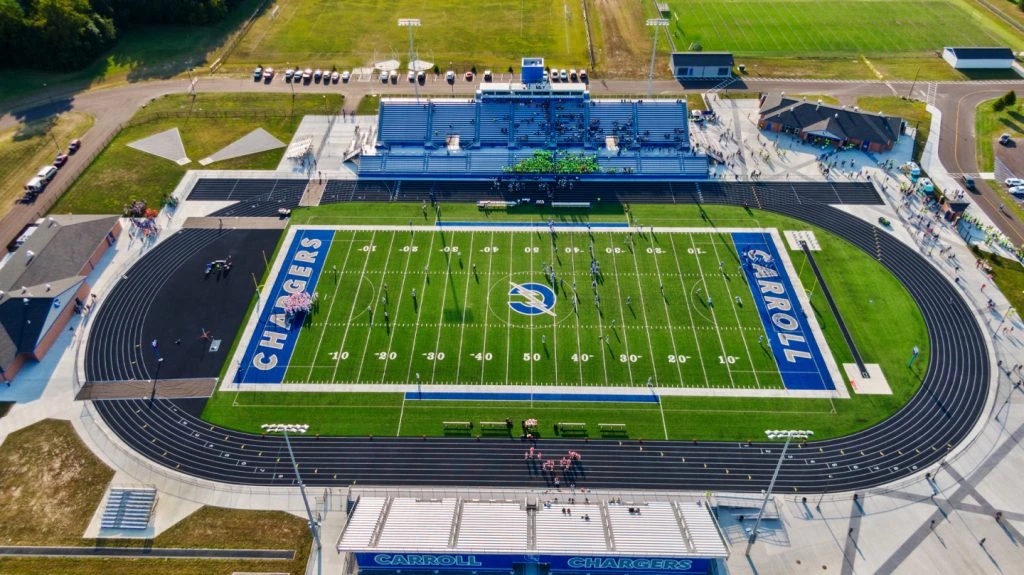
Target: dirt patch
625, 45
50, 485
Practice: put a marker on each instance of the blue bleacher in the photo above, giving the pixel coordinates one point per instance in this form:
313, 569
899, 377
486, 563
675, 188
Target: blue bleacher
659, 164
530, 124
444, 164
405, 164
611, 118
128, 508
449, 118
489, 161
495, 119
626, 161
403, 122
662, 123
371, 164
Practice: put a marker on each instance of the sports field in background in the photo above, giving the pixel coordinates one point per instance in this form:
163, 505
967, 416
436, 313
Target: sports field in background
868, 296
811, 28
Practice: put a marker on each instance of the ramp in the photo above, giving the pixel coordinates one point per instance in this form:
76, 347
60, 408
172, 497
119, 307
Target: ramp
313, 194
240, 223
143, 389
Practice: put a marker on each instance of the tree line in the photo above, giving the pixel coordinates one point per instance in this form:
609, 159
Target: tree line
69, 34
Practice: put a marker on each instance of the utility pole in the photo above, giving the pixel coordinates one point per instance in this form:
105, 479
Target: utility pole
314, 526
789, 435
654, 23
411, 23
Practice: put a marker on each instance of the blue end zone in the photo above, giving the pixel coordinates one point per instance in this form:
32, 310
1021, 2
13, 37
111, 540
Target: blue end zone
443, 224
796, 351
270, 347
494, 396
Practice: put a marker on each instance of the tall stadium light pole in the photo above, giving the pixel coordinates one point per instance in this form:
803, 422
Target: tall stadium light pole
789, 435
314, 526
654, 23
411, 23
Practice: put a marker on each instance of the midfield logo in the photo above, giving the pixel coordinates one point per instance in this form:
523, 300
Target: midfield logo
531, 299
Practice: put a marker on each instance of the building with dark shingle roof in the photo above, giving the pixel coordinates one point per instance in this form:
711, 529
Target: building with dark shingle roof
978, 58
43, 283
839, 126
702, 65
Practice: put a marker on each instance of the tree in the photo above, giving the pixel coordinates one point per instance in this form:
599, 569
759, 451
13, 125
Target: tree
1010, 98
999, 105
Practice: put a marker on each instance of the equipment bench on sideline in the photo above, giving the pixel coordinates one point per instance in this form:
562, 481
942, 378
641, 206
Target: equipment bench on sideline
457, 425
613, 428
571, 428
502, 426
570, 205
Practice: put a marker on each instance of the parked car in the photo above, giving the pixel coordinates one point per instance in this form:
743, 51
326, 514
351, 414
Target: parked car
563, 75
74, 145
307, 76
469, 76
257, 74
412, 76
969, 183
384, 77
1011, 182
487, 76
46, 173
60, 160
35, 185
1017, 191
583, 76
449, 76
317, 75
334, 77
268, 75
545, 75
554, 75
289, 74
1005, 139
572, 75
346, 76
393, 75
421, 77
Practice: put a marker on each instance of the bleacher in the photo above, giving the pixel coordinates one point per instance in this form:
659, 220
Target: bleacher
128, 508
530, 125
699, 527
662, 123
654, 528
557, 530
362, 522
495, 118
403, 122
425, 524
492, 526
449, 118
612, 118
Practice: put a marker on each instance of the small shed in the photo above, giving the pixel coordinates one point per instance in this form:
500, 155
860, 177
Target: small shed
702, 65
978, 58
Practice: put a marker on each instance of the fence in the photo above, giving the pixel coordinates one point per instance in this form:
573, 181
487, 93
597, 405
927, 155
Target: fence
233, 43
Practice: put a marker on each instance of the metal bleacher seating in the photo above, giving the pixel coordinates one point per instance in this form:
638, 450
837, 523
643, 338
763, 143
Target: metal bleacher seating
424, 525
495, 118
403, 122
661, 123
701, 531
442, 163
448, 118
659, 164
611, 118
128, 508
362, 522
530, 125
653, 529
496, 526
557, 530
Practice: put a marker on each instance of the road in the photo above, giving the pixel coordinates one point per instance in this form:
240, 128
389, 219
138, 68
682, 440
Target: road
112, 106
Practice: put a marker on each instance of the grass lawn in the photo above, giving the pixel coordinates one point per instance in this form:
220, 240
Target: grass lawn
51, 484
915, 113
368, 105
1009, 276
140, 54
486, 33
121, 174
1006, 198
25, 149
867, 294
989, 125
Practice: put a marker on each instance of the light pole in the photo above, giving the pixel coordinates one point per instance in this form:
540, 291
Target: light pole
314, 527
411, 23
773, 434
654, 23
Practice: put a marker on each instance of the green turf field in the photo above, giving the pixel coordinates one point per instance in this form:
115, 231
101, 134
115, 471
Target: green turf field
867, 295
813, 28
349, 33
459, 329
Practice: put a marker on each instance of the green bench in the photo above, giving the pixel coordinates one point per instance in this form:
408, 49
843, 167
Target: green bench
494, 426
613, 428
571, 428
457, 426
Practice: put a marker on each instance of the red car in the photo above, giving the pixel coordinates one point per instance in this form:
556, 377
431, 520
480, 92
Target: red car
60, 160
74, 145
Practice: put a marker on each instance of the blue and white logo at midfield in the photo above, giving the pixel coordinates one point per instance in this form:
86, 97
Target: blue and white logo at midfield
531, 299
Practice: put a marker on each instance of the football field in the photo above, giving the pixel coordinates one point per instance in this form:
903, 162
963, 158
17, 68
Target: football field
562, 308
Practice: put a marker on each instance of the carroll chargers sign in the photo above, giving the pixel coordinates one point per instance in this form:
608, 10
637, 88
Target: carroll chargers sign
557, 564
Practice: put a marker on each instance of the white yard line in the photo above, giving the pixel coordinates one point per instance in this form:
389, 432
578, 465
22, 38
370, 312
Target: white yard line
352, 310
508, 311
736, 313
401, 415
487, 308
444, 298
419, 308
531, 321
643, 308
373, 314
622, 313
601, 345
330, 306
579, 348
554, 319
711, 309
465, 306
398, 308
668, 316
689, 311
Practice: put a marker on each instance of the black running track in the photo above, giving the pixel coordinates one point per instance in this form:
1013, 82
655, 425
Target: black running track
942, 413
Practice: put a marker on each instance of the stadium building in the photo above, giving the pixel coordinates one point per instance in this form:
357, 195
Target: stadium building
532, 128
530, 534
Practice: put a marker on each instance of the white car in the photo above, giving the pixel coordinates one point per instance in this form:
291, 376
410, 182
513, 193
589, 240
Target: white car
383, 77
449, 76
346, 76
1017, 190
563, 75
334, 77
1013, 182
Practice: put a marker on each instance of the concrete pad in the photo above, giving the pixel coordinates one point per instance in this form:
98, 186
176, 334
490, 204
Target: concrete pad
794, 237
166, 145
256, 141
874, 384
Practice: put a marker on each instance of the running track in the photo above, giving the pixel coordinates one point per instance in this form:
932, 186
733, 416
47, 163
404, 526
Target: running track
942, 413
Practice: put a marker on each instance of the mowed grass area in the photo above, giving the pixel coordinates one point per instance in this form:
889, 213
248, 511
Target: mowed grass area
121, 174
349, 33
51, 484
29, 147
914, 113
989, 125
867, 294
